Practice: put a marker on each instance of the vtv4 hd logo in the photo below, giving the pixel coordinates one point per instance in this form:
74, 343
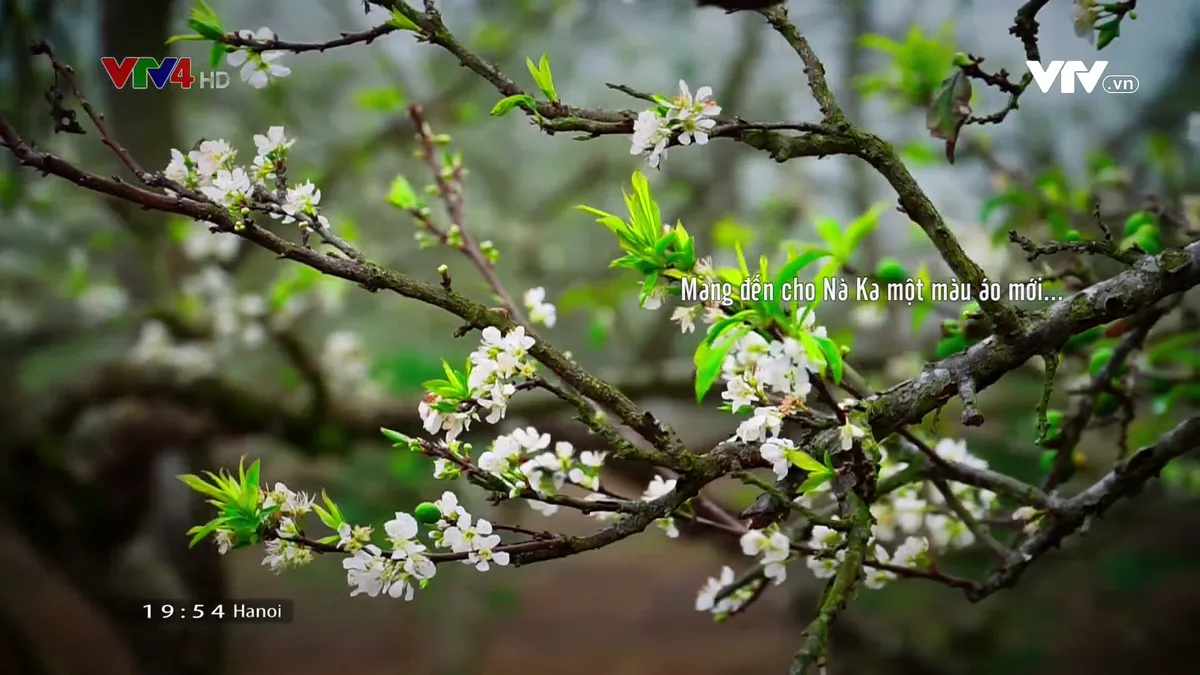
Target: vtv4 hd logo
145, 71
1088, 77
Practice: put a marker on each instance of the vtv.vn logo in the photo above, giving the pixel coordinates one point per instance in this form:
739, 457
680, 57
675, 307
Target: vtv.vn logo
1067, 71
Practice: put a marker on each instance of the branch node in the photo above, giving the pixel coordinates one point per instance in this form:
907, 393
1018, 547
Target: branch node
971, 416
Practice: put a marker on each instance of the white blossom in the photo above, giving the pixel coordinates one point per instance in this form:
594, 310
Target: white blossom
686, 317
658, 488
849, 433
103, 301
223, 539
706, 600
229, 188
540, 311
273, 144
910, 552
771, 544
694, 114
650, 137
258, 67
764, 424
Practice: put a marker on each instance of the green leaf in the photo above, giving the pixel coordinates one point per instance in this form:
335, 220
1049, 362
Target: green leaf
506, 104
709, 359
206, 30
205, 22
326, 517
184, 38
950, 110
199, 485
251, 480
383, 99
728, 231
723, 325
833, 357
861, 228
880, 43
542, 77
917, 153
829, 230
811, 348
806, 461
398, 439
827, 270
643, 211
796, 265
401, 22
614, 223
402, 196
333, 508
216, 53
201, 531
1107, 32
814, 481
742, 266
547, 79
648, 287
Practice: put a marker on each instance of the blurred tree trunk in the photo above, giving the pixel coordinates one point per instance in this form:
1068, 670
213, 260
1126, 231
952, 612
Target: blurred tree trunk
144, 122
46, 626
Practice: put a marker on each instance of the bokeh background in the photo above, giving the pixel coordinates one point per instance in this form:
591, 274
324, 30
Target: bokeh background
93, 432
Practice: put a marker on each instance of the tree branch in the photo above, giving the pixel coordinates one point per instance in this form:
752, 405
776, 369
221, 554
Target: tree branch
1072, 517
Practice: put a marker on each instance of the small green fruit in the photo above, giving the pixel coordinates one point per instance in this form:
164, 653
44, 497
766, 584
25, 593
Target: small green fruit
1149, 239
1157, 386
1136, 221
427, 513
951, 345
1106, 404
891, 270
1083, 339
1046, 460
1100, 359
1074, 235
1054, 418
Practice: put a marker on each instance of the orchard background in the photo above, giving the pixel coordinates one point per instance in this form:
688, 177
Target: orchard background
138, 346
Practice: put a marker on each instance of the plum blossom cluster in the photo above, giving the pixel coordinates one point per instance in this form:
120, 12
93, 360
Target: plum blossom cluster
257, 68
98, 299
909, 522
523, 460
775, 549
212, 170
920, 509
407, 564
722, 596
493, 371
685, 118
769, 378
346, 368
540, 311
772, 547
230, 319
829, 545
